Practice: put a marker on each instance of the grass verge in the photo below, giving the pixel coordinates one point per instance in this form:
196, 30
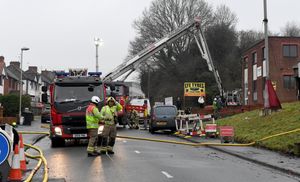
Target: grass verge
250, 126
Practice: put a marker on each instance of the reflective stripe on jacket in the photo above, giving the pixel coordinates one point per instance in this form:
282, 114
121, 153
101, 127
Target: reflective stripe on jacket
108, 113
92, 117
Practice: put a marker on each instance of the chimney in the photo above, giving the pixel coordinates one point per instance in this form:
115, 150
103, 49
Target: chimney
15, 63
32, 69
1, 59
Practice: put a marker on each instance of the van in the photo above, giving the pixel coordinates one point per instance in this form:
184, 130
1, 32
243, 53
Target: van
163, 118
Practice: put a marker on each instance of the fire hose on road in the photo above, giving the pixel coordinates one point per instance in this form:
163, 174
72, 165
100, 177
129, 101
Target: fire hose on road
211, 144
42, 159
189, 143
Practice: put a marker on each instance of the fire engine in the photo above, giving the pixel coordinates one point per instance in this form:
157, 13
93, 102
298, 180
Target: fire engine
120, 91
70, 94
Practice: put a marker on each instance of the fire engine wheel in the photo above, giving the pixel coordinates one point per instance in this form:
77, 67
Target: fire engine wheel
57, 142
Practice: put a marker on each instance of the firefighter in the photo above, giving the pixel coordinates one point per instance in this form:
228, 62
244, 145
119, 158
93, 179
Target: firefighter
93, 118
109, 115
134, 119
145, 106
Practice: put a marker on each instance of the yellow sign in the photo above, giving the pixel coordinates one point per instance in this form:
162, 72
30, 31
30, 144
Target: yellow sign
194, 89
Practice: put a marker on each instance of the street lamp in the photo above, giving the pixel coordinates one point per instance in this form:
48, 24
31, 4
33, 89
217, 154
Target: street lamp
21, 82
98, 42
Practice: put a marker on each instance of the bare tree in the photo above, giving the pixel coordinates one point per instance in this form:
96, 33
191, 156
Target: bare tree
181, 61
249, 37
224, 16
163, 17
291, 29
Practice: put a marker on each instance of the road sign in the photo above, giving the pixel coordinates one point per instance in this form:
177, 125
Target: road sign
4, 148
194, 89
226, 131
211, 128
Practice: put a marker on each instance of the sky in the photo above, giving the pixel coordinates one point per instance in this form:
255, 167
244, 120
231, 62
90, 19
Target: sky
60, 33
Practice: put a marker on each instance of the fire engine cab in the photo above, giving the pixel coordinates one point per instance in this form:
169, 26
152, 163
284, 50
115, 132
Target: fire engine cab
70, 94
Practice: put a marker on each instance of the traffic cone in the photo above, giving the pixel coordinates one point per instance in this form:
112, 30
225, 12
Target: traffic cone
15, 171
22, 154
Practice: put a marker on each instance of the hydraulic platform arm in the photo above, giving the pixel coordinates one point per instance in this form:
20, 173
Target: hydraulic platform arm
133, 63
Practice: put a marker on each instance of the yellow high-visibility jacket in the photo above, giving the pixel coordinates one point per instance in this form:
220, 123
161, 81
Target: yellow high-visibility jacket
92, 117
108, 113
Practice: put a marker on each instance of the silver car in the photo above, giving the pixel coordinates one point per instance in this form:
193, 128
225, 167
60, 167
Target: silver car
163, 118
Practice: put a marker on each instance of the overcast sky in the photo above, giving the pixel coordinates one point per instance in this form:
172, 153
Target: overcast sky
60, 33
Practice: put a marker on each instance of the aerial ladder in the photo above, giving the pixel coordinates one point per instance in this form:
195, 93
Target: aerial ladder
193, 27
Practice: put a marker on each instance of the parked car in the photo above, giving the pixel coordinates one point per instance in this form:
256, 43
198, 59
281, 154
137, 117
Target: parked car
45, 115
163, 118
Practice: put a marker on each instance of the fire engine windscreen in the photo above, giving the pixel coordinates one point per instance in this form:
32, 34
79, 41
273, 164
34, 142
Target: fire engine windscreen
119, 91
78, 93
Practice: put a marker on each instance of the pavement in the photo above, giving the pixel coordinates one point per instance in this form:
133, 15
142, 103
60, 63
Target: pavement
282, 162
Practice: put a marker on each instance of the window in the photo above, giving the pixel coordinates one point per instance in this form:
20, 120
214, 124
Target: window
255, 96
264, 56
254, 86
246, 62
289, 82
290, 50
254, 58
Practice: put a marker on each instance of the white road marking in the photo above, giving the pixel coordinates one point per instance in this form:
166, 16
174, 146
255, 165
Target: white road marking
166, 174
124, 141
136, 151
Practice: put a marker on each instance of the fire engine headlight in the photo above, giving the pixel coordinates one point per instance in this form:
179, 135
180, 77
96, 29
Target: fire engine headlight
58, 131
100, 129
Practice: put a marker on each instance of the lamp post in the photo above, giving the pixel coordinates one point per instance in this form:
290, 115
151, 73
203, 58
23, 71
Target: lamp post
98, 42
266, 94
21, 82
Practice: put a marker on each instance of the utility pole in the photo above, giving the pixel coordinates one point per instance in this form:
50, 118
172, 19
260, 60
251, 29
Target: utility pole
148, 82
266, 94
266, 40
98, 42
21, 83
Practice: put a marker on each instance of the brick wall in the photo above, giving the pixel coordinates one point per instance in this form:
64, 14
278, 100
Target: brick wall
279, 66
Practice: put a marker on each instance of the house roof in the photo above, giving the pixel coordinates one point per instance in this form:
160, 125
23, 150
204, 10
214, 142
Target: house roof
47, 76
29, 75
11, 74
16, 71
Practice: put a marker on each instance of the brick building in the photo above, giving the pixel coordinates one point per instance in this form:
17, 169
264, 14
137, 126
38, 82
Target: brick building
283, 58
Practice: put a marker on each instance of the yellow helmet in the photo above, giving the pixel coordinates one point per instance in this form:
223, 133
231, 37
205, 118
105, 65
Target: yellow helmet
110, 99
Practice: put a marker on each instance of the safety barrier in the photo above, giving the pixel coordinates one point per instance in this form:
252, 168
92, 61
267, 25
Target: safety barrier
195, 124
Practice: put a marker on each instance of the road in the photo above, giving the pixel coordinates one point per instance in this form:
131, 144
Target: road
144, 161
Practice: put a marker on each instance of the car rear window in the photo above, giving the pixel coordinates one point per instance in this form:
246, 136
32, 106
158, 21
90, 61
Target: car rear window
165, 111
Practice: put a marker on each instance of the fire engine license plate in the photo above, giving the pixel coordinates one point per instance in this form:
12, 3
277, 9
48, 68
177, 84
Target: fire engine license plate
79, 135
161, 123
